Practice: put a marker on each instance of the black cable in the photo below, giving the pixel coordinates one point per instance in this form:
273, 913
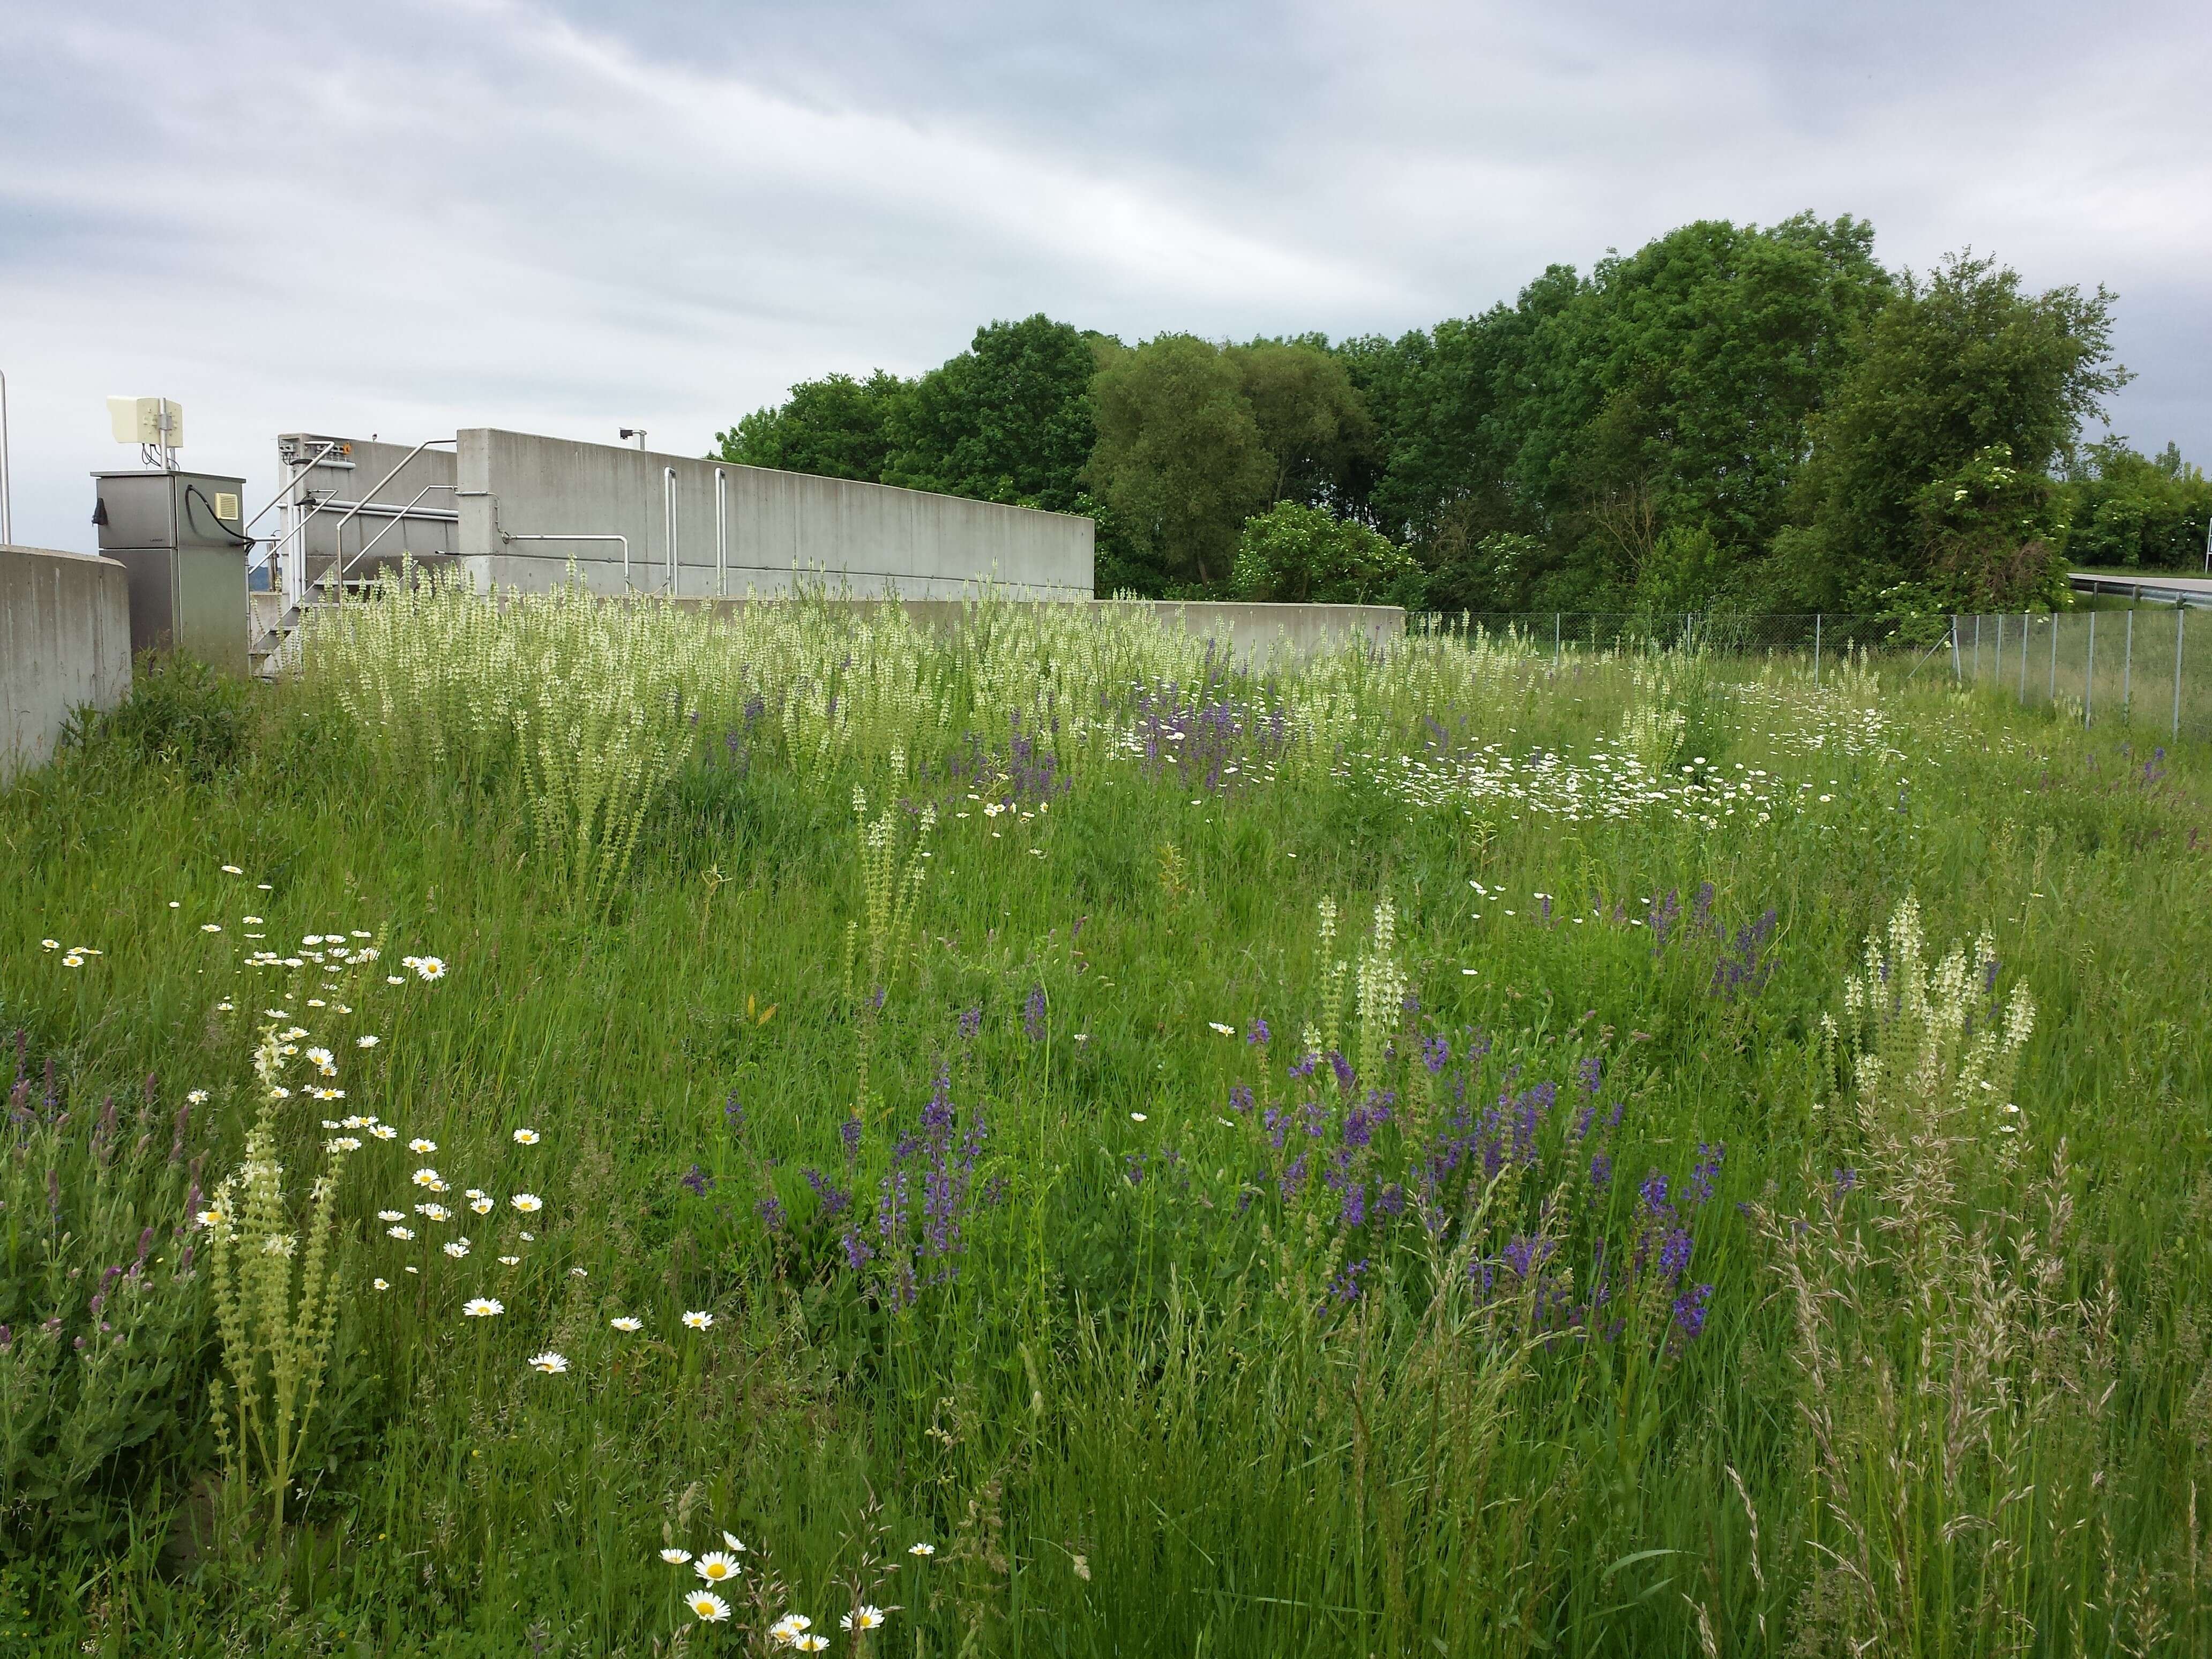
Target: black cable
191, 493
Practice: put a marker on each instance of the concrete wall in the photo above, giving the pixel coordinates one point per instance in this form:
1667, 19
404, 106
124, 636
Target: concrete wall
64, 642
865, 539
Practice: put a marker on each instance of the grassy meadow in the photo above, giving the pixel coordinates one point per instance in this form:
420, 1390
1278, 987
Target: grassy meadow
1058, 1144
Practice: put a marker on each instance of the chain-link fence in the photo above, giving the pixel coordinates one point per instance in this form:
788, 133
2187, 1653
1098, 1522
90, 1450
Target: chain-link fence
1817, 640
2136, 665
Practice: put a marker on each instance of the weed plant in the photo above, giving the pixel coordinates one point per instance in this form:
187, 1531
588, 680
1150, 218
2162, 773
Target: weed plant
800, 1133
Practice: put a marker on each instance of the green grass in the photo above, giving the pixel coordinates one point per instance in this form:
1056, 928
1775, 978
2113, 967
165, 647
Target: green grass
1128, 1409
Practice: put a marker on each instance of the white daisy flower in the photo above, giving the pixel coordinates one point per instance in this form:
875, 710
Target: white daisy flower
481, 1307
383, 1130
419, 1145
481, 1205
457, 1247
391, 1215
429, 1180
402, 1234
367, 1040
197, 1097
708, 1608
698, 1321
382, 1284
525, 1137
715, 1567
676, 1557
626, 1323
528, 1203
923, 1550
862, 1618
548, 1361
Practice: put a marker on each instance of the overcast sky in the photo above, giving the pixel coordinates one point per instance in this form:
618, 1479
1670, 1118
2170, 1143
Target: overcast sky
569, 217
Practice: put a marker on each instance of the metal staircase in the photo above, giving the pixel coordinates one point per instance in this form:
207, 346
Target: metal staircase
333, 540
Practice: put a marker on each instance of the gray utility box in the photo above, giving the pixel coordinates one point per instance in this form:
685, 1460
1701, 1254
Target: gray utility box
178, 533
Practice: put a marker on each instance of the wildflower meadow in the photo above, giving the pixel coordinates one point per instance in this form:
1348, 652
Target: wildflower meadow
579, 1128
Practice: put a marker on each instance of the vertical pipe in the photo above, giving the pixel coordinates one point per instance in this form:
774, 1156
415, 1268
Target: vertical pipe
1977, 648
1955, 665
7, 480
1997, 672
1816, 647
2024, 631
2128, 668
2054, 656
2179, 612
2089, 676
668, 528
1555, 641
721, 534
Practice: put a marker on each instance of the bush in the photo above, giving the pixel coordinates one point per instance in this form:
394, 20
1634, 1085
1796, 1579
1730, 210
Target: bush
180, 712
1292, 554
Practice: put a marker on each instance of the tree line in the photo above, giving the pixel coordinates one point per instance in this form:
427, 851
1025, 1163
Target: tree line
1764, 418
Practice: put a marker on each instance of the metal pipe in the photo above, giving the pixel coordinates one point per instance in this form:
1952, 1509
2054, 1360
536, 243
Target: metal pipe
2089, 676
668, 526
721, 534
2178, 614
507, 535
1956, 667
2024, 631
2054, 656
1816, 647
292, 483
1996, 671
2127, 669
7, 477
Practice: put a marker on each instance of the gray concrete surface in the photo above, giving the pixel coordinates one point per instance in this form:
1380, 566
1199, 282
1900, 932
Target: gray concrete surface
64, 644
863, 539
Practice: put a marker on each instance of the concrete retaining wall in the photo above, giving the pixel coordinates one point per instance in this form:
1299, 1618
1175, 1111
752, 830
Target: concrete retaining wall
862, 539
64, 643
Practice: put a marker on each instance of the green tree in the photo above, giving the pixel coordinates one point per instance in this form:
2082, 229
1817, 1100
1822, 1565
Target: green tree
1179, 459
1007, 420
835, 428
2123, 509
1312, 421
1294, 553
1958, 364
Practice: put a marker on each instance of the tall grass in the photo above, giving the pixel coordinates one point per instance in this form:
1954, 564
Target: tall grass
1596, 1237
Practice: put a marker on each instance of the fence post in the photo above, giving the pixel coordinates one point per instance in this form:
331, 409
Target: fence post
2089, 675
1997, 672
1816, 647
1555, 641
2054, 659
1954, 648
2128, 668
2024, 632
1977, 648
2179, 612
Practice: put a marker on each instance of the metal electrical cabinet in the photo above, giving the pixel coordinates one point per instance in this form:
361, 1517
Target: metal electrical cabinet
178, 535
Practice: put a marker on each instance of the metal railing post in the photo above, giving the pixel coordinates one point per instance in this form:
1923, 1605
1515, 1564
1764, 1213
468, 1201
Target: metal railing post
2054, 659
2089, 675
1555, 641
1816, 647
1955, 666
1977, 648
2024, 631
1996, 669
2180, 612
2128, 668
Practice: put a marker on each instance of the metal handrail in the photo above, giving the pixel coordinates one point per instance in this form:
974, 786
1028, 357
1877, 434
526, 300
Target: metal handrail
398, 517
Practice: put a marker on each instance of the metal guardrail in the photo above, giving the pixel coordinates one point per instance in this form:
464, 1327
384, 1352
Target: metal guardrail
2197, 595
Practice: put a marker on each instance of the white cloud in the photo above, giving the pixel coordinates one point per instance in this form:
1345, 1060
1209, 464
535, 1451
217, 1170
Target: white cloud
569, 219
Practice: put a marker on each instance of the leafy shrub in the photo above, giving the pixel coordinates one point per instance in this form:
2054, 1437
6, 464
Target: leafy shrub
1292, 554
180, 712
103, 1317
